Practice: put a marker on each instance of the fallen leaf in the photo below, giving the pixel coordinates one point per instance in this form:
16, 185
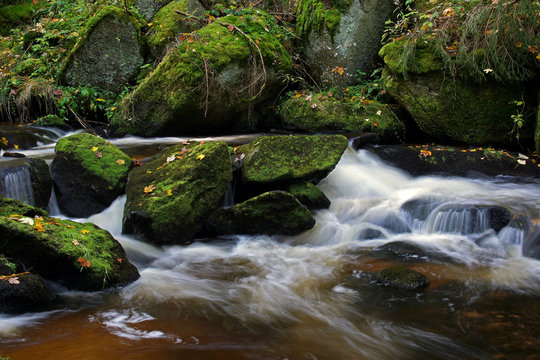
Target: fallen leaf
14, 281
95, 148
16, 146
200, 157
148, 171
487, 71
121, 162
84, 231
83, 262
169, 192
119, 260
379, 112
375, 124
148, 189
98, 154
425, 153
171, 158
522, 162
75, 242
27, 221
70, 226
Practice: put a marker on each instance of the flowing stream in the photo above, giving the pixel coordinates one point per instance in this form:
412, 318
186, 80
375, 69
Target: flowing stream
306, 296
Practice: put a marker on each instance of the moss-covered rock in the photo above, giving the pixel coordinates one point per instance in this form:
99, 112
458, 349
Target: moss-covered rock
88, 174
15, 14
24, 292
402, 278
26, 180
271, 213
309, 195
453, 109
211, 81
350, 40
108, 54
316, 112
167, 25
79, 256
20, 137
277, 161
170, 197
148, 8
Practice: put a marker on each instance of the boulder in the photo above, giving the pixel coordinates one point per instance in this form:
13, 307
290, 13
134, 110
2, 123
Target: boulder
14, 13
350, 38
402, 278
27, 180
271, 213
23, 292
78, 256
108, 54
309, 195
275, 162
149, 8
168, 25
170, 197
455, 110
457, 161
318, 112
211, 81
24, 137
88, 174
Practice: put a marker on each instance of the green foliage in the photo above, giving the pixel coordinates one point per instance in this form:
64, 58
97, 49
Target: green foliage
314, 15
474, 40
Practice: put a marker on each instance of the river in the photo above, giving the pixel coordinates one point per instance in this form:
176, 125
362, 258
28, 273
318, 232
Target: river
306, 297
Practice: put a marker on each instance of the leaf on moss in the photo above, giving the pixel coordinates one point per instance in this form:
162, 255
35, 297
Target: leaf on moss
169, 192
27, 220
200, 157
84, 231
14, 281
75, 242
95, 148
148, 189
99, 155
83, 262
121, 162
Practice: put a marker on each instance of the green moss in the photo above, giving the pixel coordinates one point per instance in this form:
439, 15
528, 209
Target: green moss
276, 159
50, 120
13, 15
180, 193
403, 278
313, 15
424, 60
173, 97
309, 195
100, 162
54, 247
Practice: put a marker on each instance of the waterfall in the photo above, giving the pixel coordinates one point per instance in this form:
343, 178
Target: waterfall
18, 185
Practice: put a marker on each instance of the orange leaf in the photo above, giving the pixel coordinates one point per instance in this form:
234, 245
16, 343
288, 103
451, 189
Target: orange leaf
84, 231
119, 260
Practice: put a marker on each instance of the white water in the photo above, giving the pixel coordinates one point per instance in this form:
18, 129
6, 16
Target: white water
18, 185
293, 288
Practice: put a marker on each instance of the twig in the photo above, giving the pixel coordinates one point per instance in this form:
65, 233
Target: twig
207, 87
81, 121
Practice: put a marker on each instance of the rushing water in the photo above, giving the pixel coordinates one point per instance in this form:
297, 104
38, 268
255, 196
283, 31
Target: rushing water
303, 297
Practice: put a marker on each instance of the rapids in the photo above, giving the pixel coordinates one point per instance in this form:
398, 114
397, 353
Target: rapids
261, 297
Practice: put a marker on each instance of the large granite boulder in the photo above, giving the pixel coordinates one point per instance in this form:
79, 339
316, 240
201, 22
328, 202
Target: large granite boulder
108, 55
350, 38
211, 81
27, 180
170, 197
88, 174
451, 109
271, 213
275, 162
78, 256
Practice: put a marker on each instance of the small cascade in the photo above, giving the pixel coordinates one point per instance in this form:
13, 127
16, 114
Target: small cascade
228, 199
464, 220
17, 185
52, 208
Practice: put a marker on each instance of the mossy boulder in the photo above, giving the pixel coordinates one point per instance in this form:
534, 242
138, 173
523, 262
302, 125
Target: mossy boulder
402, 278
167, 25
349, 40
14, 14
108, 54
149, 8
170, 197
88, 174
23, 292
309, 195
26, 180
79, 256
278, 161
450, 109
271, 213
211, 81
317, 112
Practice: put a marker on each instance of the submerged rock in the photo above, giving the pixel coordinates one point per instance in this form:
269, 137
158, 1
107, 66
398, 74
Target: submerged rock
78, 256
24, 137
108, 55
275, 162
309, 195
23, 292
170, 197
402, 278
88, 174
27, 180
211, 81
271, 213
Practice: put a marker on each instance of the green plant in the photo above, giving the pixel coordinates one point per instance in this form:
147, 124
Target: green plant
517, 118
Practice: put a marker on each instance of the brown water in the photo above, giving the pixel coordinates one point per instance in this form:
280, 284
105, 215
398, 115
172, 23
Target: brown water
262, 297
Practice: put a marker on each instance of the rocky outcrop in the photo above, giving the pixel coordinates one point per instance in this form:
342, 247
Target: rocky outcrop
170, 197
271, 213
88, 174
275, 162
79, 256
108, 55
211, 81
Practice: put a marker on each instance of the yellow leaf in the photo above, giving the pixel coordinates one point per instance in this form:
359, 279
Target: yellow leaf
448, 12
84, 231
148, 171
148, 189
121, 162
425, 153
4, 140
169, 192
100, 99
519, 44
16, 146
95, 148
200, 157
